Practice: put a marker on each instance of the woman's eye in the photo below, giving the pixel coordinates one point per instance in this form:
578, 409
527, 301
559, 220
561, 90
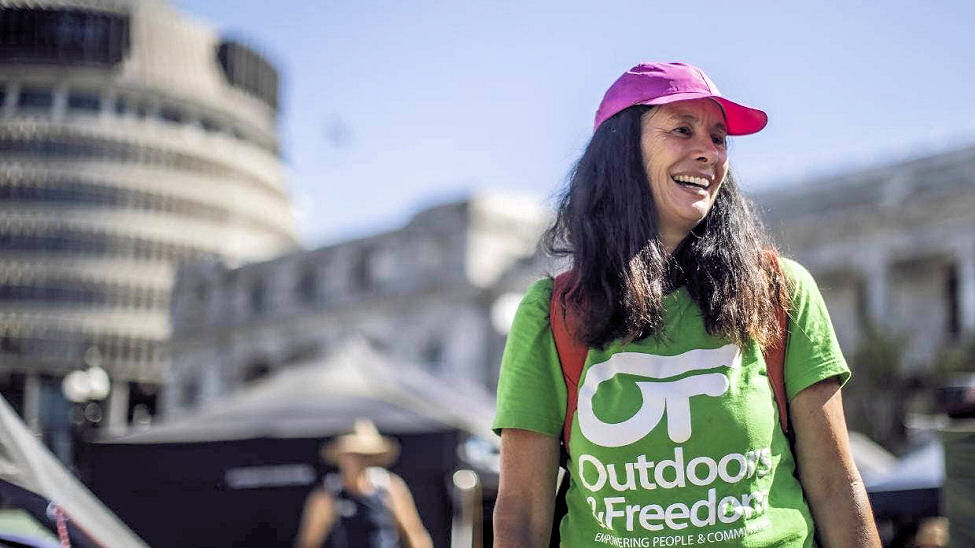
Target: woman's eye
719, 140
683, 130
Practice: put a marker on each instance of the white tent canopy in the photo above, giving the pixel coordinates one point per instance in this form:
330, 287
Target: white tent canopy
27, 464
872, 460
320, 398
923, 468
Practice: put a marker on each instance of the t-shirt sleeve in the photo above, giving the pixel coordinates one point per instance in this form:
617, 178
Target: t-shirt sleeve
813, 353
531, 390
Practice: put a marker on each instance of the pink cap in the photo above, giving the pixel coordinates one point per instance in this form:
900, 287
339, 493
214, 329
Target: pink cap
662, 83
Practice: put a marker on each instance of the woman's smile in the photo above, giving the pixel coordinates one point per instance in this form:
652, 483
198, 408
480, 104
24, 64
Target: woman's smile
686, 160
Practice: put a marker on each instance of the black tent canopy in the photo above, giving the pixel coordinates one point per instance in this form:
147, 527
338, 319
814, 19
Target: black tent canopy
190, 468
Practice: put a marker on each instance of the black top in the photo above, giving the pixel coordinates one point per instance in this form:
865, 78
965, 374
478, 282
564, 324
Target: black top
363, 521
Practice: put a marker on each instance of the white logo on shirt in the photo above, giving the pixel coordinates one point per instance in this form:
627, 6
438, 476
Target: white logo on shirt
658, 396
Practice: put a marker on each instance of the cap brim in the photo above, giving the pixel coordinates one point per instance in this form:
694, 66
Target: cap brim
741, 120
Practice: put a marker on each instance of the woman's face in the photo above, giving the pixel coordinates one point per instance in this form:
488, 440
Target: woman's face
686, 160
351, 462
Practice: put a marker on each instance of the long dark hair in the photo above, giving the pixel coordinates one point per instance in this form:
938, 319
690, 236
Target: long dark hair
621, 272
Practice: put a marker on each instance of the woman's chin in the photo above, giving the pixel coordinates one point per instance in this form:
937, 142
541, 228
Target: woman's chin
693, 216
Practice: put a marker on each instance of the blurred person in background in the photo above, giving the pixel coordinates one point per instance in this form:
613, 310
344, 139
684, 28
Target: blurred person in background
673, 297
931, 533
364, 505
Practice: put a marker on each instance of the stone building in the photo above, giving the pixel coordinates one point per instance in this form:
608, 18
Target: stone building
424, 293
132, 140
893, 251
892, 246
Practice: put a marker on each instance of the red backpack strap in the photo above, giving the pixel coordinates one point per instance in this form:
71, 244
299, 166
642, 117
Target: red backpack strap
572, 353
775, 357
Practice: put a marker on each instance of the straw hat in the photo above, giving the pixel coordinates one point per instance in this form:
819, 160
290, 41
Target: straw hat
364, 440
932, 532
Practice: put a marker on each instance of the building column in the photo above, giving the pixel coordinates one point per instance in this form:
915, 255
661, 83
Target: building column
117, 412
60, 106
966, 290
13, 95
876, 285
107, 104
32, 402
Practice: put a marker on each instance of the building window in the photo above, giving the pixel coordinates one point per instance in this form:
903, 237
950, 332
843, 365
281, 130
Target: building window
84, 102
121, 106
142, 406
171, 115
256, 371
34, 98
307, 286
433, 354
62, 36
201, 292
209, 125
189, 393
247, 70
3, 96
10, 344
56, 290
953, 304
362, 271
259, 297
13, 387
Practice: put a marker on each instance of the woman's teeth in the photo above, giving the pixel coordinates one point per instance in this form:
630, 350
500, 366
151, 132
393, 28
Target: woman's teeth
699, 182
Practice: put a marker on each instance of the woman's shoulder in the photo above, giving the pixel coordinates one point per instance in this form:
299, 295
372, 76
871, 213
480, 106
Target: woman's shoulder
535, 302
792, 268
796, 275
319, 498
539, 291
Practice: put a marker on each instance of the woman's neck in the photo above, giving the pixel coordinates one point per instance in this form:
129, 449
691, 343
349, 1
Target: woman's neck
670, 241
357, 481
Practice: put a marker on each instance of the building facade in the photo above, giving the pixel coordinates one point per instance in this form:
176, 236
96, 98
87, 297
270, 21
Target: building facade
132, 140
425, 293
892, 246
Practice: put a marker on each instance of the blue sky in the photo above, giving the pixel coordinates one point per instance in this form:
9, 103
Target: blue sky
390, 106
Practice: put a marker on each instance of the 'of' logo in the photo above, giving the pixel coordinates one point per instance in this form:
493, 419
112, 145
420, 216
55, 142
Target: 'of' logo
672, 396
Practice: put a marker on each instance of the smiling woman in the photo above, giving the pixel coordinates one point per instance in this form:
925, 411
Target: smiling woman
686, 141
672, 434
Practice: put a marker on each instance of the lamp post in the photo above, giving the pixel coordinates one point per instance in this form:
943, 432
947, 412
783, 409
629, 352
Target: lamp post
86, 388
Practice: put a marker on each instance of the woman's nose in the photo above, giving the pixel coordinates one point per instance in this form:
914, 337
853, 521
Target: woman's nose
708, 151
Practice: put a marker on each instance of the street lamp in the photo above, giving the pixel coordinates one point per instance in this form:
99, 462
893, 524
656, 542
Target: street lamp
85, 388
85, 385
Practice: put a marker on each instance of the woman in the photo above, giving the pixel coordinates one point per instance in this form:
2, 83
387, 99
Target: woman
364, 506
675, 440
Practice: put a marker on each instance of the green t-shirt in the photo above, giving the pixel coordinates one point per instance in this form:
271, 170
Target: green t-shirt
675, 442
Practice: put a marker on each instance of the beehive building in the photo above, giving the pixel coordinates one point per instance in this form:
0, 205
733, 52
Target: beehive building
132, 140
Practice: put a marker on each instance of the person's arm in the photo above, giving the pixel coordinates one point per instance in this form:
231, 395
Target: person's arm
407, 518
836, 494
526, 490
316, 520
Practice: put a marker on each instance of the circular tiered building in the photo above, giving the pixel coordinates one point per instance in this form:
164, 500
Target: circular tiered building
132, 140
